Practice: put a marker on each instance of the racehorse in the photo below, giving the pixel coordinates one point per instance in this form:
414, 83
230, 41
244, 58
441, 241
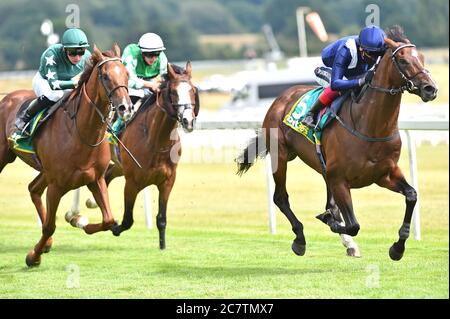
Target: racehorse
361, 147
153, 140
70, 146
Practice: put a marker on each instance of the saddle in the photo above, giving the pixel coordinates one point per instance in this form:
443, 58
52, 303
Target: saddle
303, 105
24, 142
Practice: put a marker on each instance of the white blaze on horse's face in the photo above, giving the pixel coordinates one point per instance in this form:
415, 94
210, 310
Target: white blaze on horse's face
185, 103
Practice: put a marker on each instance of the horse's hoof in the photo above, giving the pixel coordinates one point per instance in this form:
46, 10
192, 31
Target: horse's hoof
394, 253
91, 203
324, 217
162, 246
353, 252
70, 215
48, 245
116, 230
31, 259
298, 249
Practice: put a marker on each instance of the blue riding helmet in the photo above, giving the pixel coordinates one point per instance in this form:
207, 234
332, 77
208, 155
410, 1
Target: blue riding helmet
371, 39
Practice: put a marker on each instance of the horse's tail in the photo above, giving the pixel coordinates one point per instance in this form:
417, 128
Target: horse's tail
255, 149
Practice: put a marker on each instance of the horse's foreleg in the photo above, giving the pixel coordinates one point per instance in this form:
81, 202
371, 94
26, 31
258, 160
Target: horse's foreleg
100, 192
161, 218
396, 182
341, 193
281, 199
36, 189
130, 192
54, 195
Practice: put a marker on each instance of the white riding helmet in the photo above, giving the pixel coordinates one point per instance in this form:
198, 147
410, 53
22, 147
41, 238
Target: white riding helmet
151, 42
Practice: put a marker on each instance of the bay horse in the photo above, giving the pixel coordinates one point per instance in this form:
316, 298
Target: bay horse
154, 141
360, 148
70, 146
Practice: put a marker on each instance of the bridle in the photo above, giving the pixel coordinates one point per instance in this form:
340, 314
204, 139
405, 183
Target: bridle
409, 84
178, 106
111, 107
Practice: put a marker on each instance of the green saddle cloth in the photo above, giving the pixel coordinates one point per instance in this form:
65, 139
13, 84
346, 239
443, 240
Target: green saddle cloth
298, 111
24, 142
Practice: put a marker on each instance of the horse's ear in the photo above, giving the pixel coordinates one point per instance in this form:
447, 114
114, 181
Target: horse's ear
172, 73
116, 49
188, 68
96, 54
390, 43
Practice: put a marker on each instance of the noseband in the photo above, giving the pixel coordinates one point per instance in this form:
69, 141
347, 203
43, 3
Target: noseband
185, 106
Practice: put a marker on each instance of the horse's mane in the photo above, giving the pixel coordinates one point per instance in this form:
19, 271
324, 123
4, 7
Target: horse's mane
89, 67
397, 34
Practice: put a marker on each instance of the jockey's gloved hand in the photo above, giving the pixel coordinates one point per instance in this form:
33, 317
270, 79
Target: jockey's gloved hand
367, 78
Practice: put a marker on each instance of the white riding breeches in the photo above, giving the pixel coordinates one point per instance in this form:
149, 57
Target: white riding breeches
41, 87
139, 92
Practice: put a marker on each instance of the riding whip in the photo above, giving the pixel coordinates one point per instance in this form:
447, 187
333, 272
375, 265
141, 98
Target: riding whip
123, 145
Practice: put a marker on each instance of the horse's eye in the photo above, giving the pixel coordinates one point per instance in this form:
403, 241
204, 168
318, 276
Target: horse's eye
105, 77
403, 62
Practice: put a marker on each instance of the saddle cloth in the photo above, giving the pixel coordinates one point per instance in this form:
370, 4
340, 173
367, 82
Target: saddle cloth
303, 105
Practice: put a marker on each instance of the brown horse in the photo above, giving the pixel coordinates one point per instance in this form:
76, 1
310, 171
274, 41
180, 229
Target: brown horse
153, 139
361, 148
70, 146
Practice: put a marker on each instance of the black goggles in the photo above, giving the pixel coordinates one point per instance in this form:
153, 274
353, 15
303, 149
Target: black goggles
373, 54
151, 54
75, 52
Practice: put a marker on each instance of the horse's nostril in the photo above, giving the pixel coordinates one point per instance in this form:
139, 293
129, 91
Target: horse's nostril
429, 89
185, 122
121, 108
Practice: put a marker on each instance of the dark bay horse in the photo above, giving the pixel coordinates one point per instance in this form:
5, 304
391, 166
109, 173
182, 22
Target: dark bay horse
153, 139
361, 148
70, 146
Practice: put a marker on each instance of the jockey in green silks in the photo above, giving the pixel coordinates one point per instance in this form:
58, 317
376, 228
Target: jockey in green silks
145, 61
59, 64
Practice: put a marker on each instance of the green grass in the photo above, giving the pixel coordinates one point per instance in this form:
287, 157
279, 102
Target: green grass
218, 244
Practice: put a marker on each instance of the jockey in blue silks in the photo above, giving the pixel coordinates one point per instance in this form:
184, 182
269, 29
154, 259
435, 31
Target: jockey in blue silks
350, 59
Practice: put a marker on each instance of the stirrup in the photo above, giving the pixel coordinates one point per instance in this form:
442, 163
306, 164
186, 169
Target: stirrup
309, 122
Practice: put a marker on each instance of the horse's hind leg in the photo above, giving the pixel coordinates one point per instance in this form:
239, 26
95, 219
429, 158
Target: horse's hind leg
112, 172
396, 182
6, 156
341, 193
130, 192
100, 192
281, 199
54, 195
36, 188
332, 215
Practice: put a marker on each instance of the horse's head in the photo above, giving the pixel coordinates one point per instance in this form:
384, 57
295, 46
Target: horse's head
113, 78
409, 68
182, 96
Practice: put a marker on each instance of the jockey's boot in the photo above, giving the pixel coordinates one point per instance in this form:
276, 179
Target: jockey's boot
308, 120
34, 108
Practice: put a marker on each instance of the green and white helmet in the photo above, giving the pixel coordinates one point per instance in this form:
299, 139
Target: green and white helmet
151, 42
74, 38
